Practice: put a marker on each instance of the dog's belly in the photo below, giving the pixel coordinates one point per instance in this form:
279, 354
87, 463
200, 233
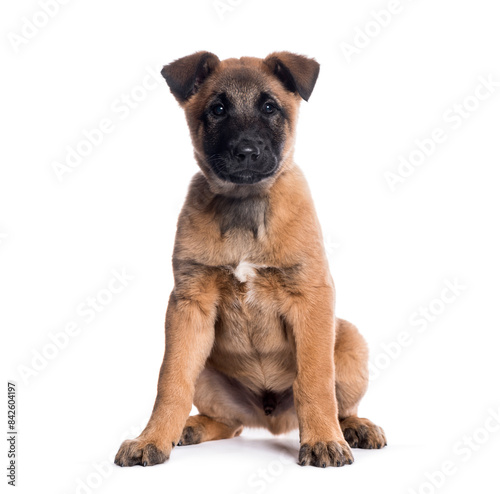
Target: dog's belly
252, 344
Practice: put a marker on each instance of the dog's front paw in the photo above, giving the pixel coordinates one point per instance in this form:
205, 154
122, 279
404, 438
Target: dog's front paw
324, 454
141, 452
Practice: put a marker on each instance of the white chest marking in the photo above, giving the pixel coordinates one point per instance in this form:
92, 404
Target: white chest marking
245, 271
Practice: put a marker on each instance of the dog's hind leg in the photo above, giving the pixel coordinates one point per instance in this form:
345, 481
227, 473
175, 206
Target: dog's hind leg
224, 409
351, 381
200, 428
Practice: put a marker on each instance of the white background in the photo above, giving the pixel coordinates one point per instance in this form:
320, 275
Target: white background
391, 252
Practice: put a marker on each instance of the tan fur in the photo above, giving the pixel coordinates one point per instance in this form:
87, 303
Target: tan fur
253, 311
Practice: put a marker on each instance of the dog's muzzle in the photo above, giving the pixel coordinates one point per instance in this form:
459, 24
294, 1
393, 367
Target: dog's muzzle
247, 162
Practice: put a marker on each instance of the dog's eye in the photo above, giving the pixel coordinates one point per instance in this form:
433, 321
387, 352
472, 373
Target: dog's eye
218, 110
269, 108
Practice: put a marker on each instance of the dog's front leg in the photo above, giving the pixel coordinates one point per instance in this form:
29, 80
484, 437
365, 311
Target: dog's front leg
189, 329
312, 320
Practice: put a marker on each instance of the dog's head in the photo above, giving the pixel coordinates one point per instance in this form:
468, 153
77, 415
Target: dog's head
241, 114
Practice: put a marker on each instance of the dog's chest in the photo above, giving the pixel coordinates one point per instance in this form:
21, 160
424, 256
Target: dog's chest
249, 306
252, 342
255, 283
246, 271
248, 292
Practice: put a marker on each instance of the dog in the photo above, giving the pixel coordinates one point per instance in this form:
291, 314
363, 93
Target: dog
251, 334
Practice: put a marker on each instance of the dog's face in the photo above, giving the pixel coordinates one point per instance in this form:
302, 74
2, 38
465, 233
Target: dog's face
241, 114
244, 129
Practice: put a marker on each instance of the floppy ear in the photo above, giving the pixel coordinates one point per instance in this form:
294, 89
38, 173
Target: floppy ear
185, 75
297, 73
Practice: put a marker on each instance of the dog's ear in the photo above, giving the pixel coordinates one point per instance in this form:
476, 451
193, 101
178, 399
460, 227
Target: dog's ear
185, 75
297, 72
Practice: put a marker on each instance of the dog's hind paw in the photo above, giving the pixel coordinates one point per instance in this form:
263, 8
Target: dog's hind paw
362, 433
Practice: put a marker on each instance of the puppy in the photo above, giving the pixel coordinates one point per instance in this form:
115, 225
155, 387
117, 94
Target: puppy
251, 334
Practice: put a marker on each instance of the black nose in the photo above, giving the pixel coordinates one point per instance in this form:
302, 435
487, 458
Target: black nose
247, 152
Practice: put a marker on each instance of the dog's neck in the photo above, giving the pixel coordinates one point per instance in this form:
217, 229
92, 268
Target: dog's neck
251, 216
242, 208
246, 213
